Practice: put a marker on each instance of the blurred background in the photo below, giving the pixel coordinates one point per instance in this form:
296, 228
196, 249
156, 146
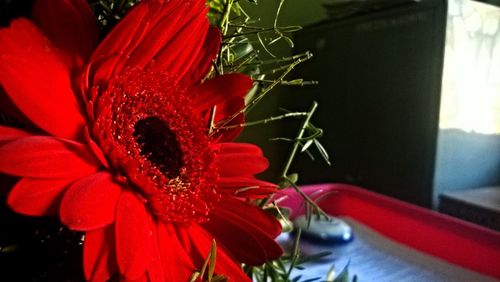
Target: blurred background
409, 99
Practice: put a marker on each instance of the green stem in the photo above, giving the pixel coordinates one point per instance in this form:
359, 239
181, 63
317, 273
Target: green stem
280, 30
257, 99
297, 142
278, 13
290, 83
294, 254
225, 16
265, 121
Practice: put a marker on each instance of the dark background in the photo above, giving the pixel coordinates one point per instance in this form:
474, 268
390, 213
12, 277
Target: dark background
33, 249
379, 92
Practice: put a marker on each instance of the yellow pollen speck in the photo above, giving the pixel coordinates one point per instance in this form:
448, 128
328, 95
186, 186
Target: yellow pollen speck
177, 185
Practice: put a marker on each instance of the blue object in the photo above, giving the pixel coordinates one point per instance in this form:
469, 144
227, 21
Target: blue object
323, 230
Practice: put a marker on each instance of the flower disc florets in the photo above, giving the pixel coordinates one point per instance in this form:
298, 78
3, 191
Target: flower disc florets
152, 134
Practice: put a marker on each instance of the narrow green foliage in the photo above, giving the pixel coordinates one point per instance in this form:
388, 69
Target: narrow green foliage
322, 151
194, 276
343, 276
307, 145
110, 12
313, 257
295, 82
209, 263
282, 214
8, 249
213, 257
294, 253
312, 279
290, 180
298, 139
265, 121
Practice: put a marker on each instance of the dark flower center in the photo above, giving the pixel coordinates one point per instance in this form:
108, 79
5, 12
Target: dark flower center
159, 145
154, 138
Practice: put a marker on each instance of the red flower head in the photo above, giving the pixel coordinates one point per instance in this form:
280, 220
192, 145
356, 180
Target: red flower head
119, 146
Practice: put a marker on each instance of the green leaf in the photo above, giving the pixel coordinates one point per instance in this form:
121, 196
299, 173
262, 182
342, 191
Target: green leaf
322, 151
293, 178
219, 278
242, 49
313, 257
194, 276
312, 279
289, 41
264, 46
213, 256
294, 253
289, 180
291, 28
298, 81
307, 145
343, 275
284, 220
274, 40
9, 249
310, 155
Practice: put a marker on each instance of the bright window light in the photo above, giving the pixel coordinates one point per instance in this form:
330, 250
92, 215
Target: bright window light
471, 78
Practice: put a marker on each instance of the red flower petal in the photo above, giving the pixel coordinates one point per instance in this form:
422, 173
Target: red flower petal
240, 164
130, 29
38, 197
142, 278
109, 50
225, 265
246, 187
90, 203
177, 56
177, 264
255, 243
236, 148
243, 185
9, 133
155, 269
205, 58
131, 235
99, 261
46, 157
253, 215
224, 112
220, 89
246, 243
170, 21
102, 72
148, 29
37, 81
70, 25
227, 92
95, 148
8, 107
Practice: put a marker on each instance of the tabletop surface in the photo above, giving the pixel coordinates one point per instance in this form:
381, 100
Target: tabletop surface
486, 197
374, 257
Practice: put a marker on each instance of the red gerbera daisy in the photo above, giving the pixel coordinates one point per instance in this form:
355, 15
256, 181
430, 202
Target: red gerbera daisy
119, 144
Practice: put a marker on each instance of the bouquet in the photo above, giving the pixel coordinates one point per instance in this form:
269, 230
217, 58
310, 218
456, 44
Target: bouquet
120, 119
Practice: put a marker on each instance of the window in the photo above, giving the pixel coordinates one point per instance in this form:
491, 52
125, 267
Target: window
471, 78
